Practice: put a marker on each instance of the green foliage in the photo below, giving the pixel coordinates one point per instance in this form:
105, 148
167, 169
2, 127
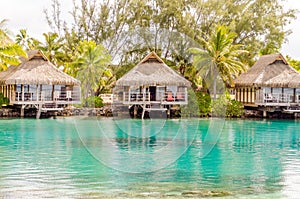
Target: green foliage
192, 109
219, 57
3, 100
199, 105
4, 33
219, 106
234, 109
225, 107
259, 24
9, 52
9, 55
53, 48
90, 66
294, 63
93, 102
27, 43
204, 103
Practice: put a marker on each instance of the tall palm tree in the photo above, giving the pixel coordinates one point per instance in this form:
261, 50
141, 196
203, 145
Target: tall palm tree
28, 43
219, 57
9, 52
53, 48
91, 65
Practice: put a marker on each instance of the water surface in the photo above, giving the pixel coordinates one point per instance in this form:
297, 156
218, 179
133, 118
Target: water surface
106, 158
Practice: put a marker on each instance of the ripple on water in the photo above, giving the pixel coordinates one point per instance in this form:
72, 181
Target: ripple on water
252, 159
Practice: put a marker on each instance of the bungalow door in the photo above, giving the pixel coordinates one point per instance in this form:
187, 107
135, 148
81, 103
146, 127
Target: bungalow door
152, 90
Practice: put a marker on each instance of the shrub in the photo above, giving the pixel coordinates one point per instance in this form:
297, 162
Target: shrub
234, 109
93, 101
219, 106
204, 103
3, 100
224, 106
199, 105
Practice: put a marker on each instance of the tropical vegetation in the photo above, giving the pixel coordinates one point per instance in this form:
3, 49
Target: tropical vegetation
219, 57
104, 40
3, 100
9, 51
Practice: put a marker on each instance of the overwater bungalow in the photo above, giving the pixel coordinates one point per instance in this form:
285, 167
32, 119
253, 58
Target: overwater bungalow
270, 85
152, 86
37, 83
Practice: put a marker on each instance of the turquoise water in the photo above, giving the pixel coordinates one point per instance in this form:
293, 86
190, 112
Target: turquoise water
106, 158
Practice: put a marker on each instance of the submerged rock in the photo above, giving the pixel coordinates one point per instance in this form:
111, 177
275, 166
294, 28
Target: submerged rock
205, 193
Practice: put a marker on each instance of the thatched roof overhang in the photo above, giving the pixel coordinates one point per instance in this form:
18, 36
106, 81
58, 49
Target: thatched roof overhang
37, 69
270, 71
152, 71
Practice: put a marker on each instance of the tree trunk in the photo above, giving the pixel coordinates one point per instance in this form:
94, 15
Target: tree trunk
215, 82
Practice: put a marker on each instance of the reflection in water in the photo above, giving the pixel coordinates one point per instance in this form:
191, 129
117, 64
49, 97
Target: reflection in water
171, 141
49, 158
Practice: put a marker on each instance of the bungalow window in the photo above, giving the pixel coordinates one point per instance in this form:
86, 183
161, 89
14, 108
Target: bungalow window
160, 92
18, 92
171, 91
46, 92
32, 92
288, 94
134, 93
180, 95
297, 95
276, 90
267, 90
58, 92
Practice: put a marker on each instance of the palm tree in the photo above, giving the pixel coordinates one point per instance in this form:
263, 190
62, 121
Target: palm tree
219, 57
4, 32
9, 52
90, 66
53, 48
28, 43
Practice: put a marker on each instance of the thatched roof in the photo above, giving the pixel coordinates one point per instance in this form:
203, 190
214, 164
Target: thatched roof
36, 69
270, 71
152, 71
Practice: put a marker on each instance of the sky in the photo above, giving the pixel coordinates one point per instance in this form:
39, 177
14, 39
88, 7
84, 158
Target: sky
29, 15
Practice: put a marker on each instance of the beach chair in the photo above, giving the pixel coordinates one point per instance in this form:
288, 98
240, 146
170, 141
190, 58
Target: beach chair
179, 96
170, 96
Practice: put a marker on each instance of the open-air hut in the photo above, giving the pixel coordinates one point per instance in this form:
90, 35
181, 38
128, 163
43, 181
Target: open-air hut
270, 84
152, 85
37, 83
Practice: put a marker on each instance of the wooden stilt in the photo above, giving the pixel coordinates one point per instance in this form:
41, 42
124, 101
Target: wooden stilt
39, 111
265, 113
144, 109
22, 111
296, 115
134, 111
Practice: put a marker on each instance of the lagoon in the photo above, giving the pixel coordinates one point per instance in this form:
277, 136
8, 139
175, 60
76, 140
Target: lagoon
109, 158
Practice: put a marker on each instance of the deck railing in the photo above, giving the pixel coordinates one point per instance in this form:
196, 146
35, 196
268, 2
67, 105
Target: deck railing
136, 97
164, 98
57, 96
276, 98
